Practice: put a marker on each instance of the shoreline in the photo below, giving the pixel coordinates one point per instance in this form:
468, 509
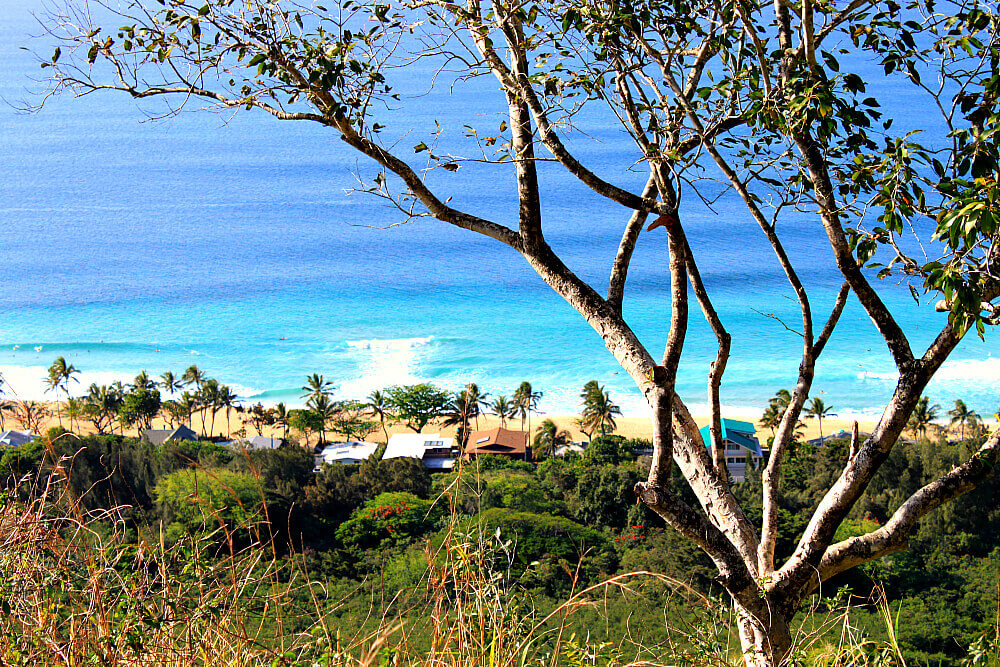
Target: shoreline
627, 426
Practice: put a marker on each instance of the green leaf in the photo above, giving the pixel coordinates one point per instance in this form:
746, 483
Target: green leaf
204, 10
256, 60
419, 148
56, 54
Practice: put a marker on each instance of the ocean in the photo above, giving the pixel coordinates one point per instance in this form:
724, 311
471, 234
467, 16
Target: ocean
235, 242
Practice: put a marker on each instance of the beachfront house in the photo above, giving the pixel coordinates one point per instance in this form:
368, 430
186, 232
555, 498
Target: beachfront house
161, 436
741, 445
578, 447
344, 453
500, 441
16, 438
435, 452
255, 443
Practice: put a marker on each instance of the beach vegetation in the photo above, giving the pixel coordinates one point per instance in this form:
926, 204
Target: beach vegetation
764, 99
463, 408
548, 438
378, 406
193, 377
60, 374
818, 409
307, 421
599, 411
504, 409
922, 416
416, 405
526, 401
962, 415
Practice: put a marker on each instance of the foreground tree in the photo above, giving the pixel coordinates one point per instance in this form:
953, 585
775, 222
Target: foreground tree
752, 95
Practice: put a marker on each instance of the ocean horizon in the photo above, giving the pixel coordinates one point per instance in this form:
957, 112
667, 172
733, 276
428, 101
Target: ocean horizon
237, 243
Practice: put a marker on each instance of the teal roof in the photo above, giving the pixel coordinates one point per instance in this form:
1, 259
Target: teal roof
739, 432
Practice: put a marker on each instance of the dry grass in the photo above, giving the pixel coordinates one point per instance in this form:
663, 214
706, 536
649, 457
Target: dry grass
87, 589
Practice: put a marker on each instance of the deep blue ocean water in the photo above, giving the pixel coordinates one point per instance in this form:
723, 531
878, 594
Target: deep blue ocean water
231, 242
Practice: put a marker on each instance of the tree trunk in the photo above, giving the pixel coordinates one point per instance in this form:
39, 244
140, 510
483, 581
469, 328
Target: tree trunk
765, 636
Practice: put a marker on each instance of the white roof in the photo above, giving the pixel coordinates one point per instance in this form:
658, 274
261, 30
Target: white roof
16, 438
413, 445
346, 452
256, 442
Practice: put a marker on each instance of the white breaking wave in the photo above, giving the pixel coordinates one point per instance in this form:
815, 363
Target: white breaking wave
29, 383
977, 370
385, 363
964, 370
389, 343
872, 375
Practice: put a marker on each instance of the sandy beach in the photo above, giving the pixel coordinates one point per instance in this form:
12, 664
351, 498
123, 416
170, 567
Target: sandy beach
630, 427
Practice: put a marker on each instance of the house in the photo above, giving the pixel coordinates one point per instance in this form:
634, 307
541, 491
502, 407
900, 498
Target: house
500, 441
571, 448
741, 446
160, 436
255, 442
432, 449
344, 453
16, 438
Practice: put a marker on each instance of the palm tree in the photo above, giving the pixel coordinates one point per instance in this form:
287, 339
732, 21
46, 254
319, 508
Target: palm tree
504, 409
962, 414
228, 400
60, 375
189, 403
193, 376
459, 412
281, 419
210, 396
101, 407
922, 416
525, 401
781, 399
317, 386
548, 437
170, 383
326, 409
599, 411
818, 409
771, 417
378, 406
477, 401
143, 382
590, 390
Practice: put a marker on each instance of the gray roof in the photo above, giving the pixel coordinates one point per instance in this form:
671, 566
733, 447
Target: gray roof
160, 436
16, 438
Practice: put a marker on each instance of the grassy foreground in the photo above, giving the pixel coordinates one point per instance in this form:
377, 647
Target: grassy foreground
86, 587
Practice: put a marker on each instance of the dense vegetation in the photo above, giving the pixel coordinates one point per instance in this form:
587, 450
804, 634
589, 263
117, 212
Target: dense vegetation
376, 534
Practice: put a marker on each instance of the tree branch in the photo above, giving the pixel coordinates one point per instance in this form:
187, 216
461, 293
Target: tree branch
619, 269
893, 535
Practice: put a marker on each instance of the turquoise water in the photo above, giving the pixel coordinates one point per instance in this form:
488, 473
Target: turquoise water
229, 242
